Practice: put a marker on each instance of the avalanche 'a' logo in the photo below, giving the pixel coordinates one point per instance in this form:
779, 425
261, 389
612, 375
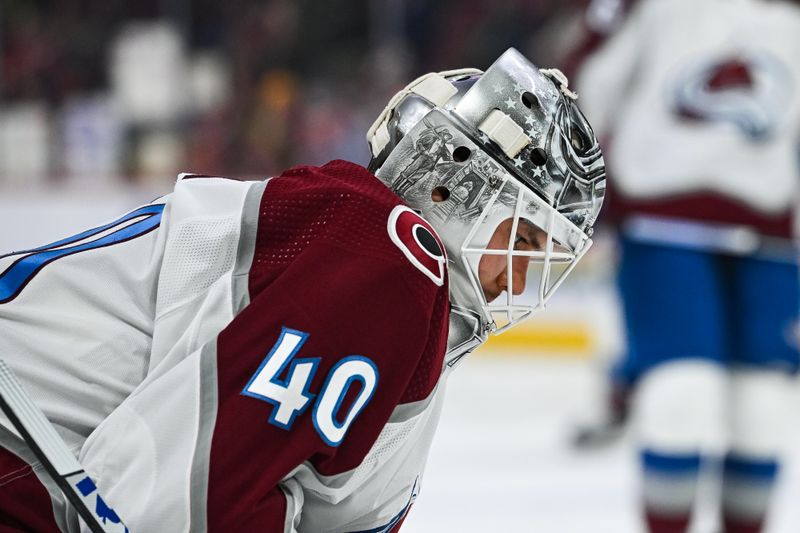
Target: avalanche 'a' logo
751, 93
418, 242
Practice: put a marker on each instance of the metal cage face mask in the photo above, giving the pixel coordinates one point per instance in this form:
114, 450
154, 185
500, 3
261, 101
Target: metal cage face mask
526, 243
471, 151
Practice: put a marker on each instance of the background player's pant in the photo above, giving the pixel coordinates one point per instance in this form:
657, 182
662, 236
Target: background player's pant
692, 316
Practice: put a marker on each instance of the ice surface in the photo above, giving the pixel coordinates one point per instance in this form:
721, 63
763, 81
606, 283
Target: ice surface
501, 459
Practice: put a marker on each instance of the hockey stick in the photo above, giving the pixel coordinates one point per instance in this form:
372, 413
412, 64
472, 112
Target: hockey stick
53, 453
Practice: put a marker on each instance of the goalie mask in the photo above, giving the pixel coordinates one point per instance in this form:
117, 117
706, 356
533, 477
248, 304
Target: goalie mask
507, 170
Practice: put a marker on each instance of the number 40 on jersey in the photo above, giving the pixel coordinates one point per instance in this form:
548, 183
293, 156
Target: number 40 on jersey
290, 396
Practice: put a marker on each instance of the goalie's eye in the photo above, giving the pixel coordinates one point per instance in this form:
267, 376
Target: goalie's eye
529, 237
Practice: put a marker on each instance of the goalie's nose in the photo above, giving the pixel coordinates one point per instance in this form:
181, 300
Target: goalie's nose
519, 276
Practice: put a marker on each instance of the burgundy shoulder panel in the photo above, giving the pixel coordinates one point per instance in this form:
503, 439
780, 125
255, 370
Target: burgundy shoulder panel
326, 271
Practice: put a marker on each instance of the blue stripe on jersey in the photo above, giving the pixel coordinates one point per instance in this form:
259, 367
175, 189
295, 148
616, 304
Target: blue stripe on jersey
388, 527
142, 211
19, 274
675, 464
756, 469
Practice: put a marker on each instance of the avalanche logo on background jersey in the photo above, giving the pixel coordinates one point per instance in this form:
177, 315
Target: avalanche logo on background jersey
418, 242
752, 93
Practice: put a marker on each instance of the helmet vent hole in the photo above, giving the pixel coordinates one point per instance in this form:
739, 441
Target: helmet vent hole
538, 157
461, 154
578, 142
440, 193
530, 100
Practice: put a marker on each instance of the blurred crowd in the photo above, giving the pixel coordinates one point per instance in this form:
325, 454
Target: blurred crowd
106, 91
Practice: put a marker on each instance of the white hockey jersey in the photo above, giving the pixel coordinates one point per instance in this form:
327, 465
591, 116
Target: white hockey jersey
701, 102
237, 356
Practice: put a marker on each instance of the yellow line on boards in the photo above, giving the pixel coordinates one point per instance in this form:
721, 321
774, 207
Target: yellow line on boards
561, 338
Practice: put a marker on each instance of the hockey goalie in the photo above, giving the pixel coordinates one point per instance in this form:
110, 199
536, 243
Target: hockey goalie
272, 355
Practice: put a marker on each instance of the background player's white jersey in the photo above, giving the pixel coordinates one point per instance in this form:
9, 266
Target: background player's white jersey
693, 103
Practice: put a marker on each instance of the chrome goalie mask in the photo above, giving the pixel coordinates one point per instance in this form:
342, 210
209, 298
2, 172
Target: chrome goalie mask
477, 153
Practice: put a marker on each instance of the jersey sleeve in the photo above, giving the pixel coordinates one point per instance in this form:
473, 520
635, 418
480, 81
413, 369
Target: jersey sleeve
309, 374
312, 407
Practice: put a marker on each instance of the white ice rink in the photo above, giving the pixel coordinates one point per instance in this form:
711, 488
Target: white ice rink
501, 460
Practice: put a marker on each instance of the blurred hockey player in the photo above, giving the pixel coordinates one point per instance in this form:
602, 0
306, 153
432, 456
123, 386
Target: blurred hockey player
700, 102
272, 355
